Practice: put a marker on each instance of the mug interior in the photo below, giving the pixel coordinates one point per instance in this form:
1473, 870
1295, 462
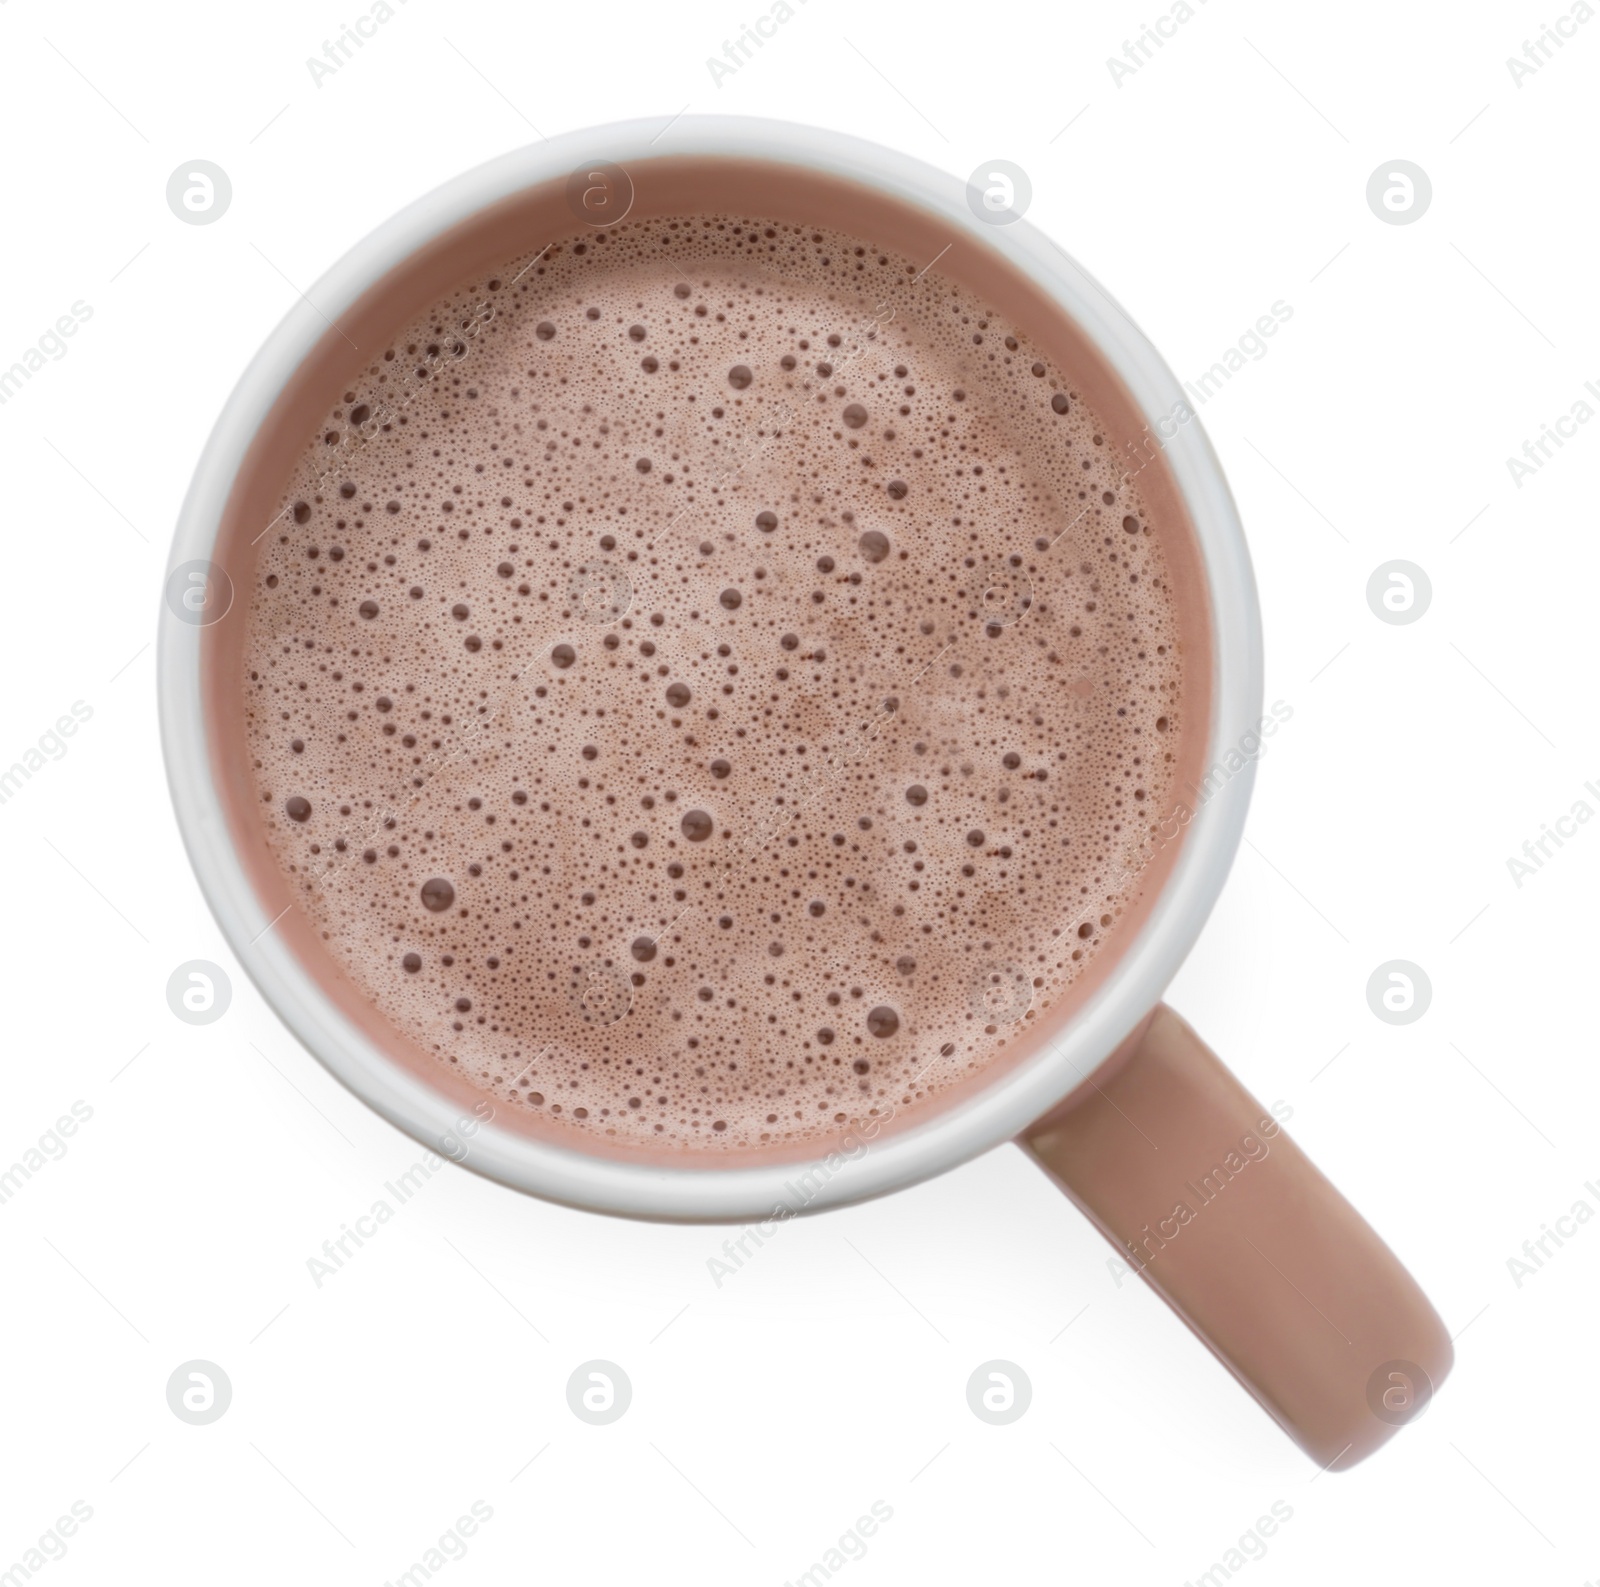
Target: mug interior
702, 164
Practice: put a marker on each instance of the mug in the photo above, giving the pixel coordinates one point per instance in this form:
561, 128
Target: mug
1190, 1178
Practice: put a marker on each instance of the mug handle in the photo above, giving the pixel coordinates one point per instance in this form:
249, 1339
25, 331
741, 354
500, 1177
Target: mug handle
1234, 1227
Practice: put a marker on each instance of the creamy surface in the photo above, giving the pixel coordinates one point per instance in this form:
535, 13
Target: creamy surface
725, 691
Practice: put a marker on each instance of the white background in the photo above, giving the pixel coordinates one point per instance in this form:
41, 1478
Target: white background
1227, 173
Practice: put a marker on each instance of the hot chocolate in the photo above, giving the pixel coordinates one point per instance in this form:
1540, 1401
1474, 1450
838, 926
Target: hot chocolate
711, 679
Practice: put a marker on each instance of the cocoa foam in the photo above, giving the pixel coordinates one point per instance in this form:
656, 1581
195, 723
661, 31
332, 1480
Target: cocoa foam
721, 695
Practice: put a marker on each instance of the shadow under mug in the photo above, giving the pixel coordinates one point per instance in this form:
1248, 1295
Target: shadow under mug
1189, 1177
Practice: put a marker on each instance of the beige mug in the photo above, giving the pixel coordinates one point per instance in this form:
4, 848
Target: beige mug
1190, 1178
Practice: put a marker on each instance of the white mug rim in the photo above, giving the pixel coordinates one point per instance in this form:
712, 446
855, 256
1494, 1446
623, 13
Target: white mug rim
702, 1190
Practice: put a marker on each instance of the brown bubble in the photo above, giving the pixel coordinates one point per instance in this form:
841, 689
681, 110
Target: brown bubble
411, 963
916, 794
643, 949
720, 768
855, 415
563, 655
897, 489
883, 1021
739, 376
696, 825
1060, 403
544, 330
438, 894
874, 545
766, 522
731, 599
368, 608
678, 695
297, 807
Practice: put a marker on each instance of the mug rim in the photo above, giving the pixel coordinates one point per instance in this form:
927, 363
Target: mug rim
702, 1190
